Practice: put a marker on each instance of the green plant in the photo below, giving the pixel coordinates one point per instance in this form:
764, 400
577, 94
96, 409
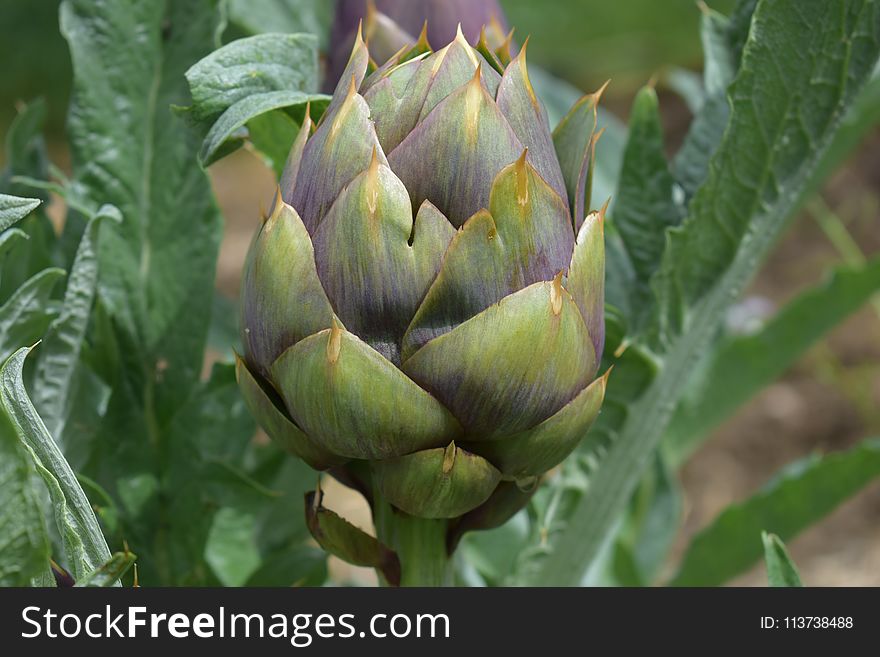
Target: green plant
118, 392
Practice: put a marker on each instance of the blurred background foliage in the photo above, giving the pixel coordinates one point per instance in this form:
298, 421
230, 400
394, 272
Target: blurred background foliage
584, 41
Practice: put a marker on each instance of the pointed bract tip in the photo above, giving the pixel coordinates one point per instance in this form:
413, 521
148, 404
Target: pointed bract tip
496, 25
334, 342
469, 51
135, 581
374, 161
372, 186
307, 117
478, 74
556, 294
597, 95
449, 458
277, 203
423, 38
522, 180
604, 377
703, 7
603, 210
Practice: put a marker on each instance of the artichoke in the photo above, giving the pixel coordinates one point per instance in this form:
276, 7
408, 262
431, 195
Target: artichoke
422, 310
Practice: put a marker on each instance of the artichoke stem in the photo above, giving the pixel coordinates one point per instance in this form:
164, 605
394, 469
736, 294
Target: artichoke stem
420, 544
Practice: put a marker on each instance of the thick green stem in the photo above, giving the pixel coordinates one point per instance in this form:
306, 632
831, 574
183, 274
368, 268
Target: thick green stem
420, 543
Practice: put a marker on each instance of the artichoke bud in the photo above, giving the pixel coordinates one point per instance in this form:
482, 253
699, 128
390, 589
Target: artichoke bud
422, 300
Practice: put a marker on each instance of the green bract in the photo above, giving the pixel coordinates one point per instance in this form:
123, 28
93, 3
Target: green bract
421, 297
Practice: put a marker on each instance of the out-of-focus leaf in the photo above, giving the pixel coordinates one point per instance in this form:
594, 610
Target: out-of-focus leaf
231, 549
800, 495
15, 208
781, 570
27, 314
84, 546
24, 545
494, 552
862, 116
654, 519
741, 365
689, 85
312, 16
108, 573
223, 335
297, 566
780, 126
25, 148
558, 97
228, 126
60, 350
645, 206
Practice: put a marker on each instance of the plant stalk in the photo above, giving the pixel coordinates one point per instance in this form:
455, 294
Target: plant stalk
420, 543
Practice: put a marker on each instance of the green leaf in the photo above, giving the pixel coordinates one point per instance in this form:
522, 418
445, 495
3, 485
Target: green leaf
723, 41
251, 109
250, 67
231, 549
24, 545
313, 16
60, 350
25, 148
84, 546
740, 366
158, 264
27, 314
15, 208
108, 573
781, 570
645, 207
298, 566
800, 495
781, 123
262, 82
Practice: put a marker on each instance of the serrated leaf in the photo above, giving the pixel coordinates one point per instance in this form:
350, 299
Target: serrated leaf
250, 67
60, 350
723, 41
789, 97
15, 208
801, 494
781, 570
158, 264
740, 366
84, 546
645, 205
